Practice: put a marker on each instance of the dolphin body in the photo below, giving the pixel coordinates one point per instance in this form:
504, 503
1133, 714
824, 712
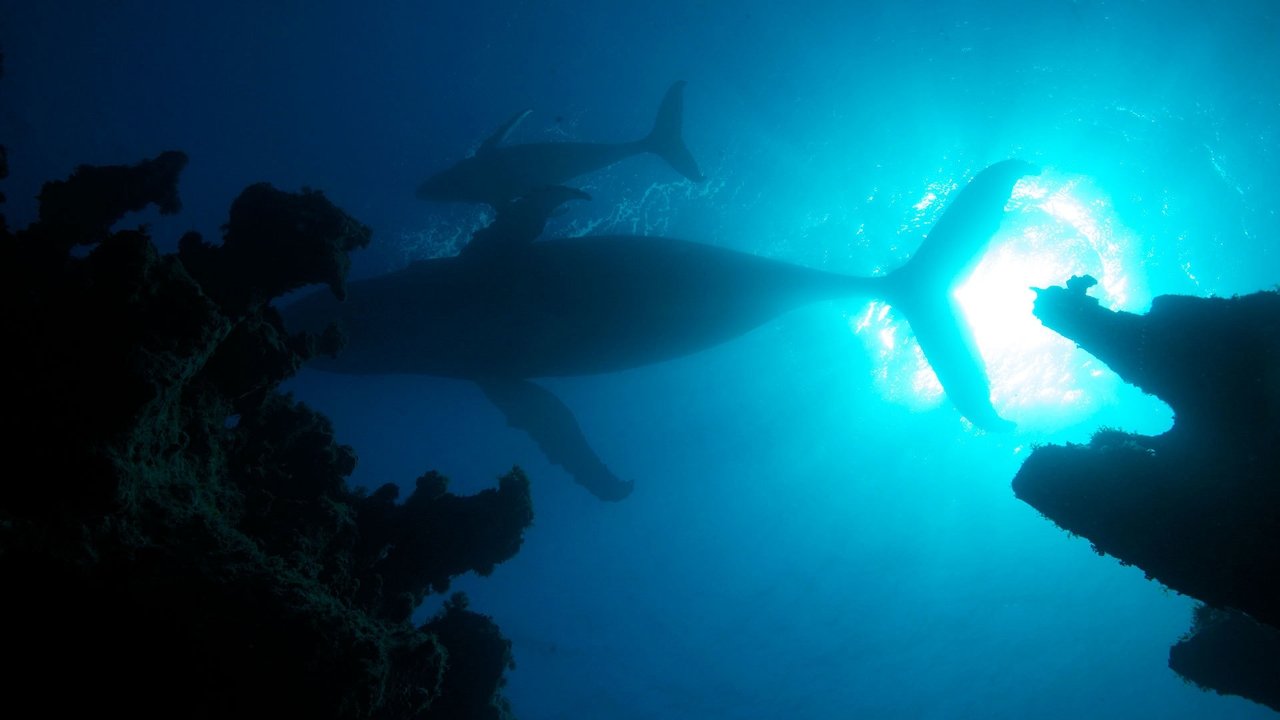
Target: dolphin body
497, 174
508, 309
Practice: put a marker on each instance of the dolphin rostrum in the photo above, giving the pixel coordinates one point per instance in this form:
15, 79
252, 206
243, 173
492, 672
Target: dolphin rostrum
499, 173
508, 309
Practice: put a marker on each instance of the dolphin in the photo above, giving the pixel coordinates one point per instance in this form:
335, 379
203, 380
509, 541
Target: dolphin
498, 173
508, 309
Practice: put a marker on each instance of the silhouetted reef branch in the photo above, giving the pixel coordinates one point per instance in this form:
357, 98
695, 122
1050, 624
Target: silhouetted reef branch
1197, 508
185, 543
81, 209
4, 172
1230, 654
274, 242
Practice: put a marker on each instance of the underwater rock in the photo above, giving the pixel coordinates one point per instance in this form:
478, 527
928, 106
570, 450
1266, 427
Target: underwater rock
81, 209
1197, 508
183, 542
4, 155
273, 243
481, 655
4, 173
1232, 655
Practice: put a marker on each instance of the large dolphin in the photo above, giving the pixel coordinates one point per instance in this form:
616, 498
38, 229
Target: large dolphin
508, 309
498, 173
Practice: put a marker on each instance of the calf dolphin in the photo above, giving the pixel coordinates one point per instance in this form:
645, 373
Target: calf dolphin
509, 309
498, 173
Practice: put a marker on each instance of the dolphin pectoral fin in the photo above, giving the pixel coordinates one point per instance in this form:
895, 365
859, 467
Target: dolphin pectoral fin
501, 133
551, 424
519, 222
948, 345
666, 139
554, 198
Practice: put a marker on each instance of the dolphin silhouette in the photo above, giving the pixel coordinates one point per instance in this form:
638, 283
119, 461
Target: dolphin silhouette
508, 309
498, 173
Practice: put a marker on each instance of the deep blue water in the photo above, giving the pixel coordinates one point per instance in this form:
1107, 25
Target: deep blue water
814, 533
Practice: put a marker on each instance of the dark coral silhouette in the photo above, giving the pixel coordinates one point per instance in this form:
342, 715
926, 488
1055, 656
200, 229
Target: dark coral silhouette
181, 541
1197, 508
1232, 654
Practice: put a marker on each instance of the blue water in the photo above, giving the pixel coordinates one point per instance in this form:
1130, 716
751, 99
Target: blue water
814, 533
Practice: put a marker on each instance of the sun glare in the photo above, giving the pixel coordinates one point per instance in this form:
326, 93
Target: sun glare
1056, 227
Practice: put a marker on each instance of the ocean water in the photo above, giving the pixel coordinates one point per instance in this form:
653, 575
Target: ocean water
815, 532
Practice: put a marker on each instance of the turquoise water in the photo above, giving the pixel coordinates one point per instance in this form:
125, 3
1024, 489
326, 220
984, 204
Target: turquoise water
815, 533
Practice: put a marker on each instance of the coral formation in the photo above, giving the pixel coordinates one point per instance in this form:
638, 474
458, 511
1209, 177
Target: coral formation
182, 541
1196, 508
4, 154
1231, 654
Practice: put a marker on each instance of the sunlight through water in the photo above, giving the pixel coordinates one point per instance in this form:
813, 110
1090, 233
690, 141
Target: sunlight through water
1056, 227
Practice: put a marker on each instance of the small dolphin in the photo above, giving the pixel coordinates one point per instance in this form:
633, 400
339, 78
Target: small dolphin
498, 173
508, 309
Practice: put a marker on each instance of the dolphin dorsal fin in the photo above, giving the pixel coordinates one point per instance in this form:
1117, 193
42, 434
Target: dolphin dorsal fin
500, 134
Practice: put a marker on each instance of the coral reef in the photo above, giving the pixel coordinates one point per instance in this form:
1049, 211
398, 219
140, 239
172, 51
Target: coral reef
1231, 654
4, 156
1196, 508
181, 541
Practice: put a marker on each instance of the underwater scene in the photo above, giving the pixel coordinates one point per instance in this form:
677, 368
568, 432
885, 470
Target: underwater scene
677, 359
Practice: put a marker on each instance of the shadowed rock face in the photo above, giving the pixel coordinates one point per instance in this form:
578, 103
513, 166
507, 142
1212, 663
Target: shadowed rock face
183, 543
1197, 508
1231, 654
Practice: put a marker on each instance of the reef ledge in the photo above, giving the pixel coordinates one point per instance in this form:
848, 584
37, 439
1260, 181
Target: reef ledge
1198, 507
178, 538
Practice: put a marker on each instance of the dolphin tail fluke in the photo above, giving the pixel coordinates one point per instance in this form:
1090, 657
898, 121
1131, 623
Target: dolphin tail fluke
545, 418
947, 343
923, 289
666, 139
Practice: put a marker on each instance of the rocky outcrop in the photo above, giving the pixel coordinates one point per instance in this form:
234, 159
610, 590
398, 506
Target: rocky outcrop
1197, 508
177, 537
